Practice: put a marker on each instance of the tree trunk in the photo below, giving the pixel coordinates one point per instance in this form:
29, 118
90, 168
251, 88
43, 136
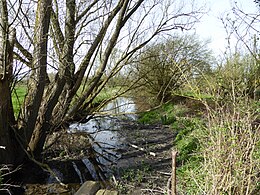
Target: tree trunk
35, 102
6, 153
8, 143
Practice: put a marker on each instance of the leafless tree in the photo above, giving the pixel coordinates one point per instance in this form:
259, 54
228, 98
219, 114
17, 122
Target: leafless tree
76, 40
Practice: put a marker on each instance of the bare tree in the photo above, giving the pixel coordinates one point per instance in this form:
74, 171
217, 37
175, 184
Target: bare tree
77, 41
6, 112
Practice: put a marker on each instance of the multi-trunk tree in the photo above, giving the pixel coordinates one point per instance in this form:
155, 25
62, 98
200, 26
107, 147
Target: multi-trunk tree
77, 41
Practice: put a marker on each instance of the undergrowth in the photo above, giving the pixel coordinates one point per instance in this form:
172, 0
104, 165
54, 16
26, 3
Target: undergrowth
218, 153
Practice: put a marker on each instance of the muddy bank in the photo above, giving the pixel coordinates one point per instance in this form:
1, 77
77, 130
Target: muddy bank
141, 169
131, 157
146, 160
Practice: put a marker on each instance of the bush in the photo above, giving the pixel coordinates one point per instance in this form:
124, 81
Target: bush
229, 146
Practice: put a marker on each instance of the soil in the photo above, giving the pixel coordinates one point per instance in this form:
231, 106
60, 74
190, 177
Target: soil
145, 165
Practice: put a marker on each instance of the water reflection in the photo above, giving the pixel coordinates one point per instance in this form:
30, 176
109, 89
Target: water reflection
122, 106
103, 131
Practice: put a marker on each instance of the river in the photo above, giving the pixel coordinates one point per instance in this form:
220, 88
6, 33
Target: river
104, 133
115, 145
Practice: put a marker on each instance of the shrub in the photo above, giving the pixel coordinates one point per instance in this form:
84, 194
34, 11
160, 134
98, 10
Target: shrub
229, 148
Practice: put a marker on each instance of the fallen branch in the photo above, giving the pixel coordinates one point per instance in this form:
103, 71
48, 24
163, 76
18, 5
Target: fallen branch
142, 149
164, 173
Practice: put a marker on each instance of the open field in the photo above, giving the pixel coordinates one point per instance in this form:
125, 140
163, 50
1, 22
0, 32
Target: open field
18, 95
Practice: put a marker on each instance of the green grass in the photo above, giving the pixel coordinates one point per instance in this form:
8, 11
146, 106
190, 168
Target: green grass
185, 142
166, 114
176, 116
18, 95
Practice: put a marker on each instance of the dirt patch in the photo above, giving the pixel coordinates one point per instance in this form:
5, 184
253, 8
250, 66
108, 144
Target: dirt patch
146, 161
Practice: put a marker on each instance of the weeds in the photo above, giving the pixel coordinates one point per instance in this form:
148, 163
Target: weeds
229, 147
185, 142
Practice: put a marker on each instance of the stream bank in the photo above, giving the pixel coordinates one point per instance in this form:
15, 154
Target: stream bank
133, 158
142, 168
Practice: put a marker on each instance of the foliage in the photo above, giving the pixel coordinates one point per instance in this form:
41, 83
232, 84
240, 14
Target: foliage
221, 158
227, 160
164, 67
240, 74
230, 153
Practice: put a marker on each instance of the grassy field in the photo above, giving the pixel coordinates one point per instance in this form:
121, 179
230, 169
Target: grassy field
18, 95
19, 92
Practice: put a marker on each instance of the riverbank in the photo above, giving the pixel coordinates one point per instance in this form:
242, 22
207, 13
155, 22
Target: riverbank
131, 157
142, 168
145, 165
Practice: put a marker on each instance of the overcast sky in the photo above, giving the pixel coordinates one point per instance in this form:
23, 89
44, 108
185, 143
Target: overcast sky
211, 26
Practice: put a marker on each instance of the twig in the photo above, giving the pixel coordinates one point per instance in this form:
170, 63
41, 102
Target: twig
174, 154
42, 165
164, 173
114, 180
6, 190
142, 149
153, 190
169, 186
5, 167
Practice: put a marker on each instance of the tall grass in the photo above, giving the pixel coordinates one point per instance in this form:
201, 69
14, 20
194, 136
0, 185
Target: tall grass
229, 139
229, 144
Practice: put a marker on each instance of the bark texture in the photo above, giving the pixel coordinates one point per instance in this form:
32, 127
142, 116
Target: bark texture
7, 138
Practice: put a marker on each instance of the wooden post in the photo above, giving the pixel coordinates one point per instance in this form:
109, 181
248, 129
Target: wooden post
174, 154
